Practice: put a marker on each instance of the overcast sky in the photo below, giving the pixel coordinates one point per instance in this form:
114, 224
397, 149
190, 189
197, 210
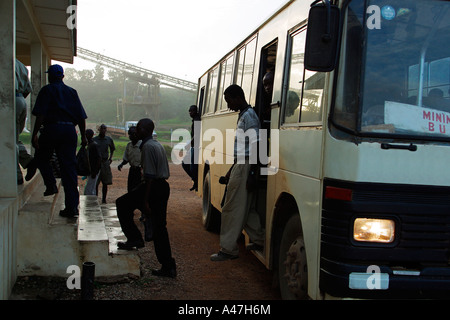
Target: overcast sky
180, 38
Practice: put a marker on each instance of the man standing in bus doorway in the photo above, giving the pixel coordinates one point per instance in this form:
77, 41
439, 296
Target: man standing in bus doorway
268, 91
236, 211
191, 167
107, 148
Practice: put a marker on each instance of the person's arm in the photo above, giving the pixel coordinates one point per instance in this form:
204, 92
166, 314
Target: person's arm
110, 156
125, 157
112, 147
82, 126
124, 162
39, 111
119, 167
37, 125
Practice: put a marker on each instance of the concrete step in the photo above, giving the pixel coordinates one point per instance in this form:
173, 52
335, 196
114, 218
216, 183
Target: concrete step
113, 229
98, 233
46, 246
91, 226
48, 243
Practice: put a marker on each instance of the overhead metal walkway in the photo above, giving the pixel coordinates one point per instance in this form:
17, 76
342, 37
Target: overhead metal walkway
129, 68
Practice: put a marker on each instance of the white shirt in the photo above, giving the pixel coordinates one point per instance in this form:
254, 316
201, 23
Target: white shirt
247, 134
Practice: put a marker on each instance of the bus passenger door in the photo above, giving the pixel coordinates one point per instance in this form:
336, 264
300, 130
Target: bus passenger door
263, 109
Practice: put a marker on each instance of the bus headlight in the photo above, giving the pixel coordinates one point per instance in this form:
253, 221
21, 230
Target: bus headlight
374, 230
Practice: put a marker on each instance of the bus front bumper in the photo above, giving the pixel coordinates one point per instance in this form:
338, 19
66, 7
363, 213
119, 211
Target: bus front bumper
378, 281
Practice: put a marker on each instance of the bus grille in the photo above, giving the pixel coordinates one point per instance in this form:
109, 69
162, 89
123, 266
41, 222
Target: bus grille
422, 215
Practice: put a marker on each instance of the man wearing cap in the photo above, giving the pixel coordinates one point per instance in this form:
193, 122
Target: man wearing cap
58, 110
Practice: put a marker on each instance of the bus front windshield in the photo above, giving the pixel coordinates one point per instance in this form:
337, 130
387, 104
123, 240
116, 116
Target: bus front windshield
394, 70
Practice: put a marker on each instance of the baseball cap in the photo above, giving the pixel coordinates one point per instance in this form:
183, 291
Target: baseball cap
55, 70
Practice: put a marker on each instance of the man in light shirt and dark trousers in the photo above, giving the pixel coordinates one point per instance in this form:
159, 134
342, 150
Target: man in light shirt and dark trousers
132, 155
151, 198
238, 212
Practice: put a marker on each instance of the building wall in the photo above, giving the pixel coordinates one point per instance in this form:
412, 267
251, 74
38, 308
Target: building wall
8, 187
22, 36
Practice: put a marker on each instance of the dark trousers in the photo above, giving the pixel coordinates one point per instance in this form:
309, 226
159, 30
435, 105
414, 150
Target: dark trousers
134, 178
61, 139
191, 167
134, 199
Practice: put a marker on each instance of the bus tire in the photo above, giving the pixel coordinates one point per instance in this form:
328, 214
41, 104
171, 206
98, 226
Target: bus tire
210, 215
292, 266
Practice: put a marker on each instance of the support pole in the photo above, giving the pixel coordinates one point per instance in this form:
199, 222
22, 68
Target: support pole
87, 281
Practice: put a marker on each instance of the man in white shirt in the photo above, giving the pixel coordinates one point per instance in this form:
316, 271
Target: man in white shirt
151, 198
236, 211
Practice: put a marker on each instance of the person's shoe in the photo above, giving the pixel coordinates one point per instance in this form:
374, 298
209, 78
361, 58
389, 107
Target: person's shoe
222, 256
194, 187
254, 247
130, 245
50, 190
69, 213
170, 273
31, 170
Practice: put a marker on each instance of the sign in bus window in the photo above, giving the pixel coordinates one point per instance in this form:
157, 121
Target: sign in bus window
403, 118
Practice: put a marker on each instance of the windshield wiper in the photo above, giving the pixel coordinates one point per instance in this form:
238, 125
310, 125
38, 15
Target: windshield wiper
410, 147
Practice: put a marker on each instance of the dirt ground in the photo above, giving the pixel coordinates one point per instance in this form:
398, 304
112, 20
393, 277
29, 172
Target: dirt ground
198, 278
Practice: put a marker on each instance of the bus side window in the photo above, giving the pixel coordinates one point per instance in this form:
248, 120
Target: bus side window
303, 88
246, 64
227, 79
212, 92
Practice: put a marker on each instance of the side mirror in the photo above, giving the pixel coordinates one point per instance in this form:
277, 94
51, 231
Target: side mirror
322, 37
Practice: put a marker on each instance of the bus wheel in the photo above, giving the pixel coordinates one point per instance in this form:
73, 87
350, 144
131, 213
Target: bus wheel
210, 215
292, 267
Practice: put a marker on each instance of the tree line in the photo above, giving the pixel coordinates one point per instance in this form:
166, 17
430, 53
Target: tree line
99, 91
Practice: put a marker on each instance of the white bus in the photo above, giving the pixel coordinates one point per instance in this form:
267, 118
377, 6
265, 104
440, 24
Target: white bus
358, 205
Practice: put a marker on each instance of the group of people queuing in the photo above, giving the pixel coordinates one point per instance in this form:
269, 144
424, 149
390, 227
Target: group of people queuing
58, 111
